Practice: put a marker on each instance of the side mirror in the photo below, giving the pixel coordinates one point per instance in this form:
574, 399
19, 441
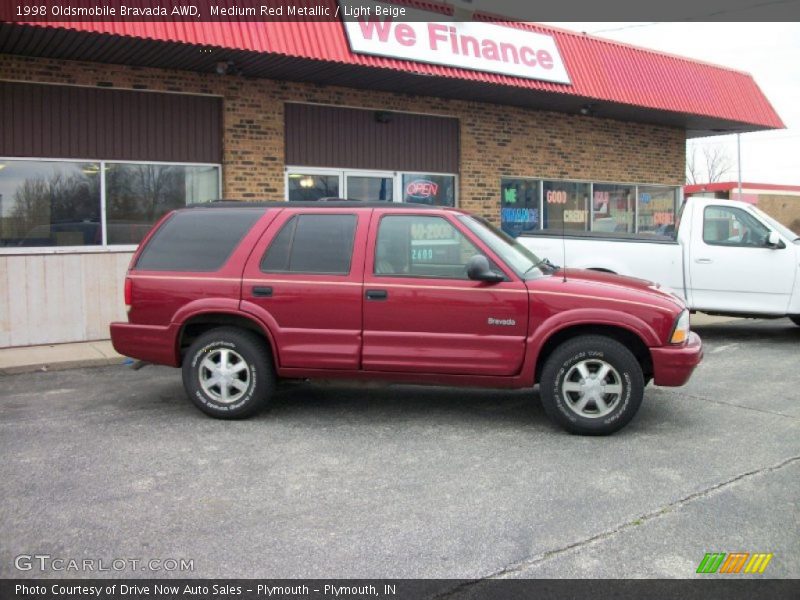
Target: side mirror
478, 269
773, 241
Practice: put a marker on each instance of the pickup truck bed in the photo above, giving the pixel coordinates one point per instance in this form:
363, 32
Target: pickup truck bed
726, 257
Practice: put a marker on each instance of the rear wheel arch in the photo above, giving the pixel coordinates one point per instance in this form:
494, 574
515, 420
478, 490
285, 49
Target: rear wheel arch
623, 335
197, 325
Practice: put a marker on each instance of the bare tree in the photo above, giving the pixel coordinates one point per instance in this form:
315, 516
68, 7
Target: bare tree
693, 171
718, 163
713, 164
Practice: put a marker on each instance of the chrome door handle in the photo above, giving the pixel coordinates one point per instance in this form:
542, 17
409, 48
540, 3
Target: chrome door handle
703, 261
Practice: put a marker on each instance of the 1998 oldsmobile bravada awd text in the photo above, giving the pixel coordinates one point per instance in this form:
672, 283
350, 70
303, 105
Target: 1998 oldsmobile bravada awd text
240, 294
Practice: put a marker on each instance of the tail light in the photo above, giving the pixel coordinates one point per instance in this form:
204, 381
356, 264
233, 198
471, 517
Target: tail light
128, 291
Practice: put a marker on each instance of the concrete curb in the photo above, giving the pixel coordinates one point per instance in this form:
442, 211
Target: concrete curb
61, 366
58, 357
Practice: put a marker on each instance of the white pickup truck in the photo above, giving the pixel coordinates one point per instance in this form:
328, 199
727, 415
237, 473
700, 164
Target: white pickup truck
724, 257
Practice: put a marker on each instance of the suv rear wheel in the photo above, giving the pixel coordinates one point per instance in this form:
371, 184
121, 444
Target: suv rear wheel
592, 385
228, 373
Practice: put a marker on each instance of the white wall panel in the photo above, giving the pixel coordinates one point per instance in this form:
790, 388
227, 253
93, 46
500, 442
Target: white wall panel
57, 298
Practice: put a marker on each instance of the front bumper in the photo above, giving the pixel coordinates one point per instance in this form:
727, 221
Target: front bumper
673, 365
149, 343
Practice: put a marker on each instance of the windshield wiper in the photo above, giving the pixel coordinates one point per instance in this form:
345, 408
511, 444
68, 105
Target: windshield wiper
543, 262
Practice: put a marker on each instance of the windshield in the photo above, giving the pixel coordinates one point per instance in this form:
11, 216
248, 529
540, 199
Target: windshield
514, 254
781, 229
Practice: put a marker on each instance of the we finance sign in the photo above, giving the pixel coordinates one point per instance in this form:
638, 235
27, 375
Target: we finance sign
373, 29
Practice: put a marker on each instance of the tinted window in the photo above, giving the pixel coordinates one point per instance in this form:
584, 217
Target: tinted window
312, 244
197, 240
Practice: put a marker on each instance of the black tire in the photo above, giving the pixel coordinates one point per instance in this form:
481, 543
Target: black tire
589, 354
256, 378
795, 319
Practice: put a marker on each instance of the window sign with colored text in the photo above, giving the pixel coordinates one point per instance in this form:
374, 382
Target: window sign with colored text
566, 205
519, 205
434, 190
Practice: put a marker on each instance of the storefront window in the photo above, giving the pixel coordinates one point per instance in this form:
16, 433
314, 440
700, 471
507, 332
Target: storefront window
657, 206
137, 195
370, 188
436, 190
566, 205
311, 187
49, 203
59, 203
612, 208
519, 205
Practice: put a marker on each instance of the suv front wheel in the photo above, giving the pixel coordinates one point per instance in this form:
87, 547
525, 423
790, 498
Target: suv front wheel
591, 385
228, 374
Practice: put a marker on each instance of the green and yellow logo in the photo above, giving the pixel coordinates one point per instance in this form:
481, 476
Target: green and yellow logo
735, 562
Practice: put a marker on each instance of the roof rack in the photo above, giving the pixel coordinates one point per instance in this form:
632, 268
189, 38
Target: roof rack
322, 204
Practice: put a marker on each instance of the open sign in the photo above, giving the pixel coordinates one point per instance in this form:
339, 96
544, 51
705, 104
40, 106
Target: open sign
422, 189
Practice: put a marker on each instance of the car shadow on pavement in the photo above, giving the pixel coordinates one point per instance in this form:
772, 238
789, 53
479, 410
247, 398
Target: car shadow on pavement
391, 402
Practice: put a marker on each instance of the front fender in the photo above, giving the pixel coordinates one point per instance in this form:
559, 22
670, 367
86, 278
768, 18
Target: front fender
583, 317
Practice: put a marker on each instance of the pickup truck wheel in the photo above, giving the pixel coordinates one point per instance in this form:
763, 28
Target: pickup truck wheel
591, 385
228, 373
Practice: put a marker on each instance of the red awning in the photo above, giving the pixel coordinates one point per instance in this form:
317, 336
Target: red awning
600, 70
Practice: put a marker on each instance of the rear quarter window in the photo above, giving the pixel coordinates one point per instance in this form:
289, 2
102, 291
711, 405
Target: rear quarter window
199, 240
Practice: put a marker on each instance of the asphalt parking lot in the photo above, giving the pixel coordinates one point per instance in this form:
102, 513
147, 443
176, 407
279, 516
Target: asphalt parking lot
404, 481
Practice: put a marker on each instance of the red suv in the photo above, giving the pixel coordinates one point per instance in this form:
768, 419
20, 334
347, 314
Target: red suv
240, 294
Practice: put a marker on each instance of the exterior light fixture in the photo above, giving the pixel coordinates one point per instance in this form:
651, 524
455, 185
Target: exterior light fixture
224, 67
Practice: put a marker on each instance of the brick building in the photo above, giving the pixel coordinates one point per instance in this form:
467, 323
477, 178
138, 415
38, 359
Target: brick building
781, 202
107, 126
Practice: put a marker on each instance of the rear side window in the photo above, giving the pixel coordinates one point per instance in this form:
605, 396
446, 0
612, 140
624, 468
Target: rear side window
197, 240
312, 244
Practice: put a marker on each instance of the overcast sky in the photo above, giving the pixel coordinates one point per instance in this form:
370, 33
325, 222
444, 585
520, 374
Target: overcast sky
768, 51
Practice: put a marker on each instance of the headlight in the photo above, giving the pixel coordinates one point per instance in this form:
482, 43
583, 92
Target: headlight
680, 333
